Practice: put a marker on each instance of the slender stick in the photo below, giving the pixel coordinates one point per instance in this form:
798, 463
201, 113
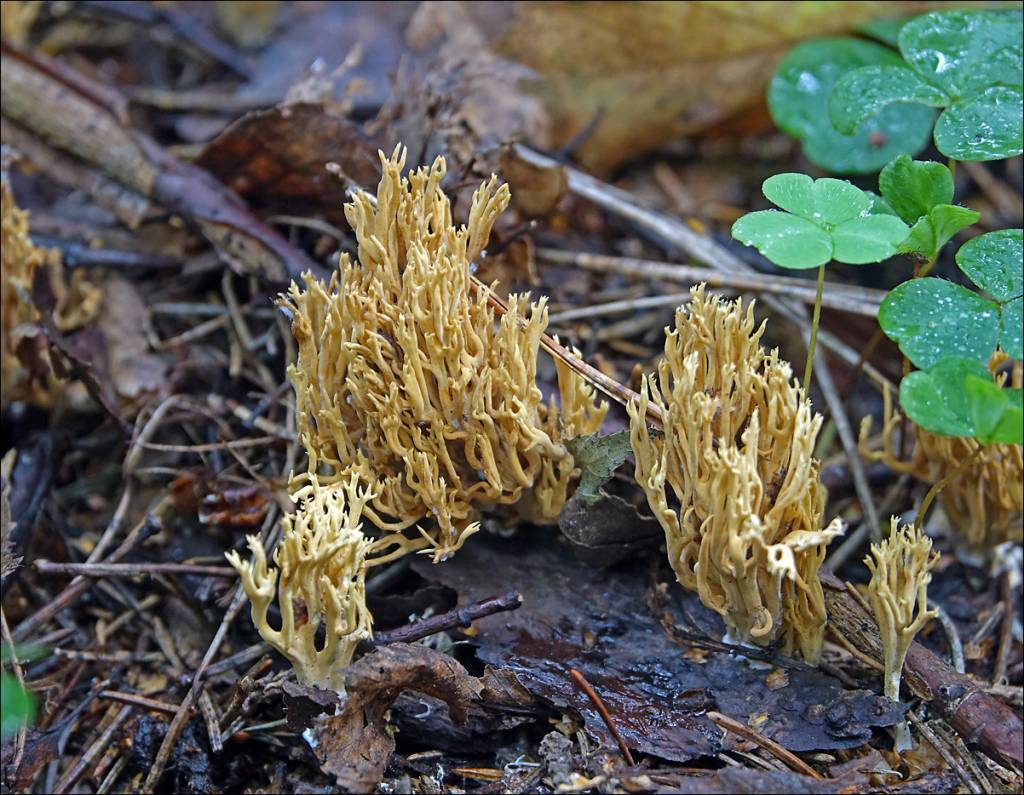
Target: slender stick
785, 756
815, 320
131, 569
460, 617
602, 710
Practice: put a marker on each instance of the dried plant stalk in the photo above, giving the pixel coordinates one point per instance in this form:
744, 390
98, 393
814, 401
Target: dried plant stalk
744, 527
405, 375
319, 578
900, 572
984, 502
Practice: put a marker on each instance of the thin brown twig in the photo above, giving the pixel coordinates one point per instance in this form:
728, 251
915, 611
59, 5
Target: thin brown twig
602, 710
139, 701
945, 753
1005, 631
784, 755
453, 619
131, 569
859, 300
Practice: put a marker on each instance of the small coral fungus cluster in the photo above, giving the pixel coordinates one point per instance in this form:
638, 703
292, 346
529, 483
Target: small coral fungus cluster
732, 479
24, 361
407, 383
983, 496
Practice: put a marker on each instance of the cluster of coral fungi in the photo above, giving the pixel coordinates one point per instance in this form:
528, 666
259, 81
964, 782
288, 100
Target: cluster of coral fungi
407, 383
984, 498
732, 479
24, 361
320, 579
405, 374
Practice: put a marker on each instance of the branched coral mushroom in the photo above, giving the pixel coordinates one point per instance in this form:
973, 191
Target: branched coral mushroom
18, 261
984, 500
900, 572
319, 579
77, 301
744, 530
405, 375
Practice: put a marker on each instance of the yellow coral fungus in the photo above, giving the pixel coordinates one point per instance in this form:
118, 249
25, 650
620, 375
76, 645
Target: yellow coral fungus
984, 501
744, 530
76, 303
900, 572
18, 261
320, 579
405, 374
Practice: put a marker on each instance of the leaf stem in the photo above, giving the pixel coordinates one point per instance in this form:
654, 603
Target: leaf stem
809, 367
934, 491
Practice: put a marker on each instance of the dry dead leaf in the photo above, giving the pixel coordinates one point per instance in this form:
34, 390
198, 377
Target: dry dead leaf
354, 746
643, 73
124, 323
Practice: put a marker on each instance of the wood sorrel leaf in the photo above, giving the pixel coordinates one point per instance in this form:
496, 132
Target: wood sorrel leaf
822, 201
937, 399
937, 228
993, 262
1011, 337
995, 412
969, 62
932, 319
787, 240
987, 126
798, 101
861, 94
963, 52
826, 219
913, 187
871, 238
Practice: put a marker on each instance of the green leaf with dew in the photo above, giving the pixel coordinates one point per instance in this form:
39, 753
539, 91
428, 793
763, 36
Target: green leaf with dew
932, 319
913, 187
936, 229
987, 126
798, 100
993, 261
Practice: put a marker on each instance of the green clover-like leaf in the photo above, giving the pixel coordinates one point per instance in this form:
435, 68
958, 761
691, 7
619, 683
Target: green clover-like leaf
969, 62
787, 240
995, 412
826, 219
871, 238
913, 187
937, 228
958, 397
963, 52
933, 319
936, 399
994, 262
798, 101
987, 126
1011, 320
821, 201
861, 94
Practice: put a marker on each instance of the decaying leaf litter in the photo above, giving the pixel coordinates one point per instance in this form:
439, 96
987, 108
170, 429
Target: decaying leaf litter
181, 165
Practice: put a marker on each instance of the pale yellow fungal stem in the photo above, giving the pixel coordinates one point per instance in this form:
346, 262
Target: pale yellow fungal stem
898, 592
